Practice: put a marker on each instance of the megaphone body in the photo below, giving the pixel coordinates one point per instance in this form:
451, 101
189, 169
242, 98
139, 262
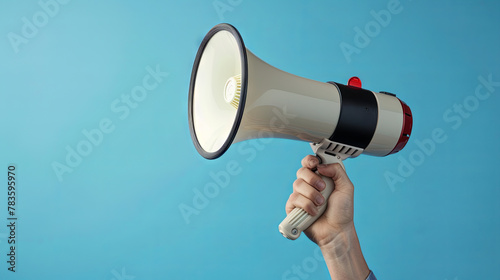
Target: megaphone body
235, 96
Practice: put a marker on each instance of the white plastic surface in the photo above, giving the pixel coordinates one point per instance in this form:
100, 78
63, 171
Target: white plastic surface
282, 105
389, 125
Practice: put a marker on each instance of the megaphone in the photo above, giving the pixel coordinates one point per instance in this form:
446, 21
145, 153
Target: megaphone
235, 96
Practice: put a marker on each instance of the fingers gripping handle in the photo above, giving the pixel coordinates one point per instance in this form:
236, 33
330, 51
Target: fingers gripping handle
298, 219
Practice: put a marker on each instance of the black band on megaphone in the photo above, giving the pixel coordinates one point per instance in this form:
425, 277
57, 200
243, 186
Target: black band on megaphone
358, 116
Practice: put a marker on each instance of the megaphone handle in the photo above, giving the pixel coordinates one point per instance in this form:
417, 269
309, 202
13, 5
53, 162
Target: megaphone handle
298, 219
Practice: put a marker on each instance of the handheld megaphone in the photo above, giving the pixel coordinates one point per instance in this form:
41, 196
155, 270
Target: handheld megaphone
235, 96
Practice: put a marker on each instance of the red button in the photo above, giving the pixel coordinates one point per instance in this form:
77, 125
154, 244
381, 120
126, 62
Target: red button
354, 82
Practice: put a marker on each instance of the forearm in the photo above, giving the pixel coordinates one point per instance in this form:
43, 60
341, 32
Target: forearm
344, 258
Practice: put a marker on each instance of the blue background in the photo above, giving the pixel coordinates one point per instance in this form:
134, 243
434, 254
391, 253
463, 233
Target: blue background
116, 214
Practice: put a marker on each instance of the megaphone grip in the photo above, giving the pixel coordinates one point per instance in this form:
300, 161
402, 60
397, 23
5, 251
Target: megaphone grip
298, 219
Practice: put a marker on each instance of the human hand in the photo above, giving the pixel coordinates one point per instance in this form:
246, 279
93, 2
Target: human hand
338, 216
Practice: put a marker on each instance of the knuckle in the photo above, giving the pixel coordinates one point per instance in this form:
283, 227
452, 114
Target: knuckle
300, 172
311, 209
310, 157
314, 180
310, 193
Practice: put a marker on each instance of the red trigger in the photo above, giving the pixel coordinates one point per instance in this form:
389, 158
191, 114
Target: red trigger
354, 82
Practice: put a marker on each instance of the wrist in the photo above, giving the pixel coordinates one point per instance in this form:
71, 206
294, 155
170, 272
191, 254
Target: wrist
339, 243
343, 255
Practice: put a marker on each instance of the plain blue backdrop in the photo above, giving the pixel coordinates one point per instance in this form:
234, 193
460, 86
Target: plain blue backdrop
428, 212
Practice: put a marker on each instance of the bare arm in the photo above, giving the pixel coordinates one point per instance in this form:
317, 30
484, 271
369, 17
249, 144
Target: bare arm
334, 231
